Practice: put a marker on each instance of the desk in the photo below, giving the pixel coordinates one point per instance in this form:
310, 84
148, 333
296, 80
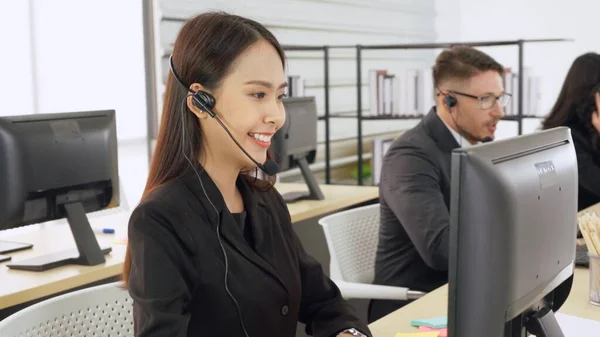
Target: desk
18, 287
336, 197
435, 304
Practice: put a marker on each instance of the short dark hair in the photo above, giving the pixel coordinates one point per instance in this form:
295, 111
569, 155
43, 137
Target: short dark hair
461, 63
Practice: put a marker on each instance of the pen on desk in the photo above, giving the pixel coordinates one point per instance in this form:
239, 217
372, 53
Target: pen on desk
104, 230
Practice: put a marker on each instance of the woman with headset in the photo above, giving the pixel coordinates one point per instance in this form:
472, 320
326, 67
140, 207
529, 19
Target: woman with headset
577, 107
211, 247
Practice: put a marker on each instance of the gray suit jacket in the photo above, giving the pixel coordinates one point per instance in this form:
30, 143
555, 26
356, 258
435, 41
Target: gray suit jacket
415, 201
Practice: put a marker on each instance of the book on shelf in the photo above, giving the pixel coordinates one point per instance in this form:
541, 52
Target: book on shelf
295, 86
380, 147
408, 93
531, 92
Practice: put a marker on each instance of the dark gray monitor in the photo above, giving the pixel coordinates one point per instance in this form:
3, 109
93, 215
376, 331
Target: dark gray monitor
513, 225
295, 144
55, 166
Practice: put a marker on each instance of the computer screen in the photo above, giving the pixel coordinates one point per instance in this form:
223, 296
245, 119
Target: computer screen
513, 225
297, 138
56, 166
295, 144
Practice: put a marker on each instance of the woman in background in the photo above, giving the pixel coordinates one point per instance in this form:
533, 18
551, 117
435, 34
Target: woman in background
577, 107
212, 251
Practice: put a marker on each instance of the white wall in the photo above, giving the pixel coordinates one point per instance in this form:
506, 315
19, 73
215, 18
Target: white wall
514, 19
90, 56
87, 55
74, 55
16, 77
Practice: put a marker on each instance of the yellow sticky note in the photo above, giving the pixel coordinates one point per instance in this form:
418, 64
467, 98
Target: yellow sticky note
419, 334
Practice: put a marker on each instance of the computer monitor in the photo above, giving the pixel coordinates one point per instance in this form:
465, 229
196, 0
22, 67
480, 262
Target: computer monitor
295, 144
55, 166
513, 220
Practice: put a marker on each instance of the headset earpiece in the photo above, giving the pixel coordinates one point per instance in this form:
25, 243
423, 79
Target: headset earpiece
450, 101
201, 99
204, 101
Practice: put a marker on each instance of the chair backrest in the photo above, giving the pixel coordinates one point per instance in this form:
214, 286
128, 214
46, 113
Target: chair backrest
352, 238
104, 310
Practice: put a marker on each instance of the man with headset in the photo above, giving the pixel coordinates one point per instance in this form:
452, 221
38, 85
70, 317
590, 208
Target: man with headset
415, 177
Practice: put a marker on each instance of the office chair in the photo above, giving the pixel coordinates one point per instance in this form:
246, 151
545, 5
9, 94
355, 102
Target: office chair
352, 237
104, 310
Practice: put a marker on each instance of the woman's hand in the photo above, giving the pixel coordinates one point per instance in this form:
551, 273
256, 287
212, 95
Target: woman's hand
595, 116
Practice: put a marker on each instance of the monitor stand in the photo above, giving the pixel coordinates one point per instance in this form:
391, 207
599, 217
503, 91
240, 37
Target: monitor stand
9, 246
314, 191
539, 322
88, 252
543, 323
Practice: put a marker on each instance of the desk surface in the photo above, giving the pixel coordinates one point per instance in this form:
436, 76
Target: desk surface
435, 304
18, 287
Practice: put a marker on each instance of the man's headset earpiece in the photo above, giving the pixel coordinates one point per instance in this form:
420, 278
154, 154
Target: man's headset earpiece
450, 101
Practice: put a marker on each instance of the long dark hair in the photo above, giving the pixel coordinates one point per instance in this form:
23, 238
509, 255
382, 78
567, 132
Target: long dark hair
204, 51
575, 103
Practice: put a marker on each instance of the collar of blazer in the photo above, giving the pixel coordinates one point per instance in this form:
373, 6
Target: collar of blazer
259, 218
438, 131
251, 197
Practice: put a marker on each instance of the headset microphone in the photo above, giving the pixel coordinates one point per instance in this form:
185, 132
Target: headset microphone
206, 102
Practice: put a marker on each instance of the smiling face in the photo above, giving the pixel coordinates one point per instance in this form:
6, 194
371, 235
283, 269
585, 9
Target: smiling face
249, 103
476, 122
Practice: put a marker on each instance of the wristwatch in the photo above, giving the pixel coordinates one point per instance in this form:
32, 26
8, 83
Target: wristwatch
353, 332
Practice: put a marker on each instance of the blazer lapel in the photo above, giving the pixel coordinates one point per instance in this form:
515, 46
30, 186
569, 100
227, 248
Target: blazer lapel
437, 130
257, 212
260, 220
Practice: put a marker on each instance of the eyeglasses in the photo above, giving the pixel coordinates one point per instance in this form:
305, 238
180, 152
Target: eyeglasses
488, 101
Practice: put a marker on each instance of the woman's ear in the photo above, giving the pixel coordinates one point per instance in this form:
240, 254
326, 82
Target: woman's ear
192, 105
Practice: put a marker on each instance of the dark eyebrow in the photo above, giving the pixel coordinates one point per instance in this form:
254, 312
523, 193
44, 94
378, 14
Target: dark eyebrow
267, 84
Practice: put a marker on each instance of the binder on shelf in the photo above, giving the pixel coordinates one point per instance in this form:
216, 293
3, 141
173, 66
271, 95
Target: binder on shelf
380, 147
509, 87
388, 94
409, 93
425, 91
530, 91
410, 107
295, 86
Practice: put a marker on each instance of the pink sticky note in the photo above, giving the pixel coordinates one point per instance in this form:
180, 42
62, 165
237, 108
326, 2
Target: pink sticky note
443, 332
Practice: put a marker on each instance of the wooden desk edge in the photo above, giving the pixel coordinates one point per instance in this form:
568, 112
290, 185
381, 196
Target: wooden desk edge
301, 216
51, 288
105, 272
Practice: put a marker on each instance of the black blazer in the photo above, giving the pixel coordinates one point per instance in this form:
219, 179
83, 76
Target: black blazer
415, 201
588, 162
177, 278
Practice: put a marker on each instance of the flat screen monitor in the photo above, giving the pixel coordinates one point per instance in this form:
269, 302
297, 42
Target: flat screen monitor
295, 144
56, 166
513, 224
